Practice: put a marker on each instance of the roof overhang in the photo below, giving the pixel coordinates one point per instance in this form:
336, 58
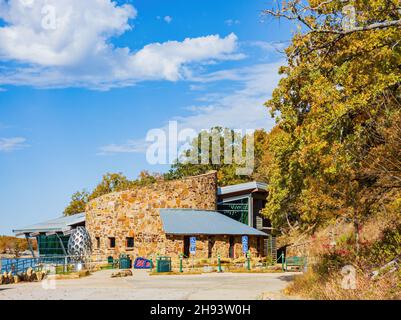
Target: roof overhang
242, 188
62, 224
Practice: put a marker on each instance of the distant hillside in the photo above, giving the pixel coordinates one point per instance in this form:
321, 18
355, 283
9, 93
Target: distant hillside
13, 245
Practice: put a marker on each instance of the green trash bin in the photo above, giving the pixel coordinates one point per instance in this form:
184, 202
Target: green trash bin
125, 262
163, 264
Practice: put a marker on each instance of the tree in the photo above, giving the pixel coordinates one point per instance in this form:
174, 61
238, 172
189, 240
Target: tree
111, 182
340, 71
77, 204
197, 160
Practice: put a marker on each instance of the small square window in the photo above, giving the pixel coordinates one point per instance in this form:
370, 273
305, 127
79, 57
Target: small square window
97, 242
112, 242
130, 242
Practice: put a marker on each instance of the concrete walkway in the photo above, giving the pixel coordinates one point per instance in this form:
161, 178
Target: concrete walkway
141, 286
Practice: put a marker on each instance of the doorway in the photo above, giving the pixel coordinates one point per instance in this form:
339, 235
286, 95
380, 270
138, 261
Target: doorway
231, 252
186, 246
210, 248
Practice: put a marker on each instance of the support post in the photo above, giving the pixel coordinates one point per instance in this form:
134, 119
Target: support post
248, 258
181, 262
282, 261
29, 245
157, 263
62, 244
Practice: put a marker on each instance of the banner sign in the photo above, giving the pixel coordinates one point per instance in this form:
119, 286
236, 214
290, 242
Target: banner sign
192, 247
244, 244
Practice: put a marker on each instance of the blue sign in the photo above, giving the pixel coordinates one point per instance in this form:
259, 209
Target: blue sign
244, 244
192, 247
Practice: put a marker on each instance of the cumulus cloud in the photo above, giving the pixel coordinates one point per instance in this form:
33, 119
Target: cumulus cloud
168, 19
59, 43
12, 144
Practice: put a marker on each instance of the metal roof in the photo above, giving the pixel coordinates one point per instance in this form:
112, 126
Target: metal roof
60, 224
193, 222
242, 187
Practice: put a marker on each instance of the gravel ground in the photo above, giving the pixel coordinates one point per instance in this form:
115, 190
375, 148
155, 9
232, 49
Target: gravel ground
142, 286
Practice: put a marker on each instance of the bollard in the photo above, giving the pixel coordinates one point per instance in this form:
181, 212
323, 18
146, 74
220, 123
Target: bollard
219, 264
157, 263
248, 258
282, 261
181, 262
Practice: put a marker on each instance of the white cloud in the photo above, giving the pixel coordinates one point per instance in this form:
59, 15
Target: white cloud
269, 46
241, 108
230, 22
78, 50
131, 146
12, 144
168, 19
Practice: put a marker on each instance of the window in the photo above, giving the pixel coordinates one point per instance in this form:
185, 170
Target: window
97, 242
130, 242
112, 242
235, 209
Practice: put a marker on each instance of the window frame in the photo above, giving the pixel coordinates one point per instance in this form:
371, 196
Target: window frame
127, 239
112, 240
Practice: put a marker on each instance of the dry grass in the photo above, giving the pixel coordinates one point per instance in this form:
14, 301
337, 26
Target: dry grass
311, 286
380, 242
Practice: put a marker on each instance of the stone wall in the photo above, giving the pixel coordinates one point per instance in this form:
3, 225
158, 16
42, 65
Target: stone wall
220, 245
135, 214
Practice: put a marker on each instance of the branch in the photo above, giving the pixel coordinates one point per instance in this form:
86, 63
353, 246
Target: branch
378, 25
297, 16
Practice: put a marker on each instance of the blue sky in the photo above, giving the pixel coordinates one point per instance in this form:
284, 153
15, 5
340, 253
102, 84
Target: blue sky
79, 92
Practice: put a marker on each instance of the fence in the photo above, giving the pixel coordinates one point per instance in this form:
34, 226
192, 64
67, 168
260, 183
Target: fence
62, 264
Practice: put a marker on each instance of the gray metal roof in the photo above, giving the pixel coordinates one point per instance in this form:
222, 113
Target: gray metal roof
59, 224
242, 187
193, 222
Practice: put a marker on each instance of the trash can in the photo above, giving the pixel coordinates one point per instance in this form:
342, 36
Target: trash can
163, 264
125, 262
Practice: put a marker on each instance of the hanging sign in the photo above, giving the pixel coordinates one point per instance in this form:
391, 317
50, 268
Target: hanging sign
244, 244
192, 245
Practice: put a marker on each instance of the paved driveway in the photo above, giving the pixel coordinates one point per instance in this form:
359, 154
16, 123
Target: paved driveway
141, 286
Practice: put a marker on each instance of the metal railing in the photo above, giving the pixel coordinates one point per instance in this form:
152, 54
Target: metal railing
61, 264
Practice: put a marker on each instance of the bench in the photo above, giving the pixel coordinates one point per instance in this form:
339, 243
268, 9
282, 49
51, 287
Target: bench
299, 262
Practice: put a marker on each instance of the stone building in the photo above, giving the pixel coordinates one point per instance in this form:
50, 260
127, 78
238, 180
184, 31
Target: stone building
162, 218
131, 221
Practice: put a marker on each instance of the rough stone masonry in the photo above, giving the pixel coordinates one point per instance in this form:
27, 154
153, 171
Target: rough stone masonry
135, 214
